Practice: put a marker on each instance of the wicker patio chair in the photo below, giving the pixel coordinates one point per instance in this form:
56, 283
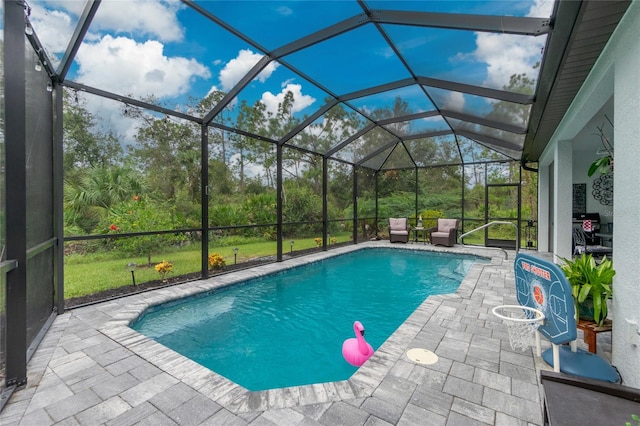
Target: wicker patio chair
444, 233
398, 230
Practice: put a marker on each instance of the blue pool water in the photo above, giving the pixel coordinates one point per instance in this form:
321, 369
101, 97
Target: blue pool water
287, 329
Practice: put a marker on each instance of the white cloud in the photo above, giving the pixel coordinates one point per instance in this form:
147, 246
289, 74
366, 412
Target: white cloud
213, 88
454, 101
284, 10
108, 117
122, 65
541, 9
300, 101
55, 21
54, 29
153, 18
505, 55
238, 67
118, 63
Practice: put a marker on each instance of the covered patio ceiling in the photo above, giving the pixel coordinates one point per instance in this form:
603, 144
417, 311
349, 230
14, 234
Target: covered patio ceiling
403, 84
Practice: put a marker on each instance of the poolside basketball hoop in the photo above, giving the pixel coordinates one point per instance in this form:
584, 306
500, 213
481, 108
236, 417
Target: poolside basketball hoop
522, 322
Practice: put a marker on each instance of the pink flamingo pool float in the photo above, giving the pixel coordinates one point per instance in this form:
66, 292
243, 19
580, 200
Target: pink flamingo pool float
356, 350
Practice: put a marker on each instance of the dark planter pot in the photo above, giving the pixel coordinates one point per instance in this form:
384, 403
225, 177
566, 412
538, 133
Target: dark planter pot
585, 310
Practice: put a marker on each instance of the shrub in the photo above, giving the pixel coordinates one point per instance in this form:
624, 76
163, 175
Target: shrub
138, 215
165, 267
429, 218
216, 262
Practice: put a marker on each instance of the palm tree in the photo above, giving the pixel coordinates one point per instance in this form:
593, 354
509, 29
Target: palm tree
88, 199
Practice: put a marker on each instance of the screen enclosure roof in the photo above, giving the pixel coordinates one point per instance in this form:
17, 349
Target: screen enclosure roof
381, 84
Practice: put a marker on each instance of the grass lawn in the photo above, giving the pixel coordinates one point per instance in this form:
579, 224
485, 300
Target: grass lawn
92, 273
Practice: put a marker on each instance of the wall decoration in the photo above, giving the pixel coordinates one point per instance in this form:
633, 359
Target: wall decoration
579, 198
603, 189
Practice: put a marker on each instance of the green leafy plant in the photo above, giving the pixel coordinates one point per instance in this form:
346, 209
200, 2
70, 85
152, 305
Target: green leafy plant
590, 280
635, 418
603, 164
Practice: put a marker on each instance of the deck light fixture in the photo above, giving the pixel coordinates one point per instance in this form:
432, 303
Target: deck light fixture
131, 267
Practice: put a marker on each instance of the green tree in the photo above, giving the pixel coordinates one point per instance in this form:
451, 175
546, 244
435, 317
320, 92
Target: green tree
169, 152
335, 126
301, 204
84, 145
218, 140
340, 188
515, 113
278, 125
89, 197
221, 182
250, 119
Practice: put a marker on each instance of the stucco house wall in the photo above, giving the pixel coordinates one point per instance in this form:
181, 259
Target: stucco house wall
617, 74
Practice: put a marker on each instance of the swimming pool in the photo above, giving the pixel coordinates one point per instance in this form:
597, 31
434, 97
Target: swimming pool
287, 329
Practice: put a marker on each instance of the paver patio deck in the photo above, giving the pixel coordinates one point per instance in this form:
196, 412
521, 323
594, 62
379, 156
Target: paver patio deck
91, 368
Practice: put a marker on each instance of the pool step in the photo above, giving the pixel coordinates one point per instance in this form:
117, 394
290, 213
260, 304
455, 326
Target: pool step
454, 270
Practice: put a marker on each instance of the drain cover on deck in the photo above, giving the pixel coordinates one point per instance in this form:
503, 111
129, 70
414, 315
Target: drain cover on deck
422, 356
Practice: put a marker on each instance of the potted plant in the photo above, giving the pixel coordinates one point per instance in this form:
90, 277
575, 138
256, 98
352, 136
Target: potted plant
603, 164
591, 285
